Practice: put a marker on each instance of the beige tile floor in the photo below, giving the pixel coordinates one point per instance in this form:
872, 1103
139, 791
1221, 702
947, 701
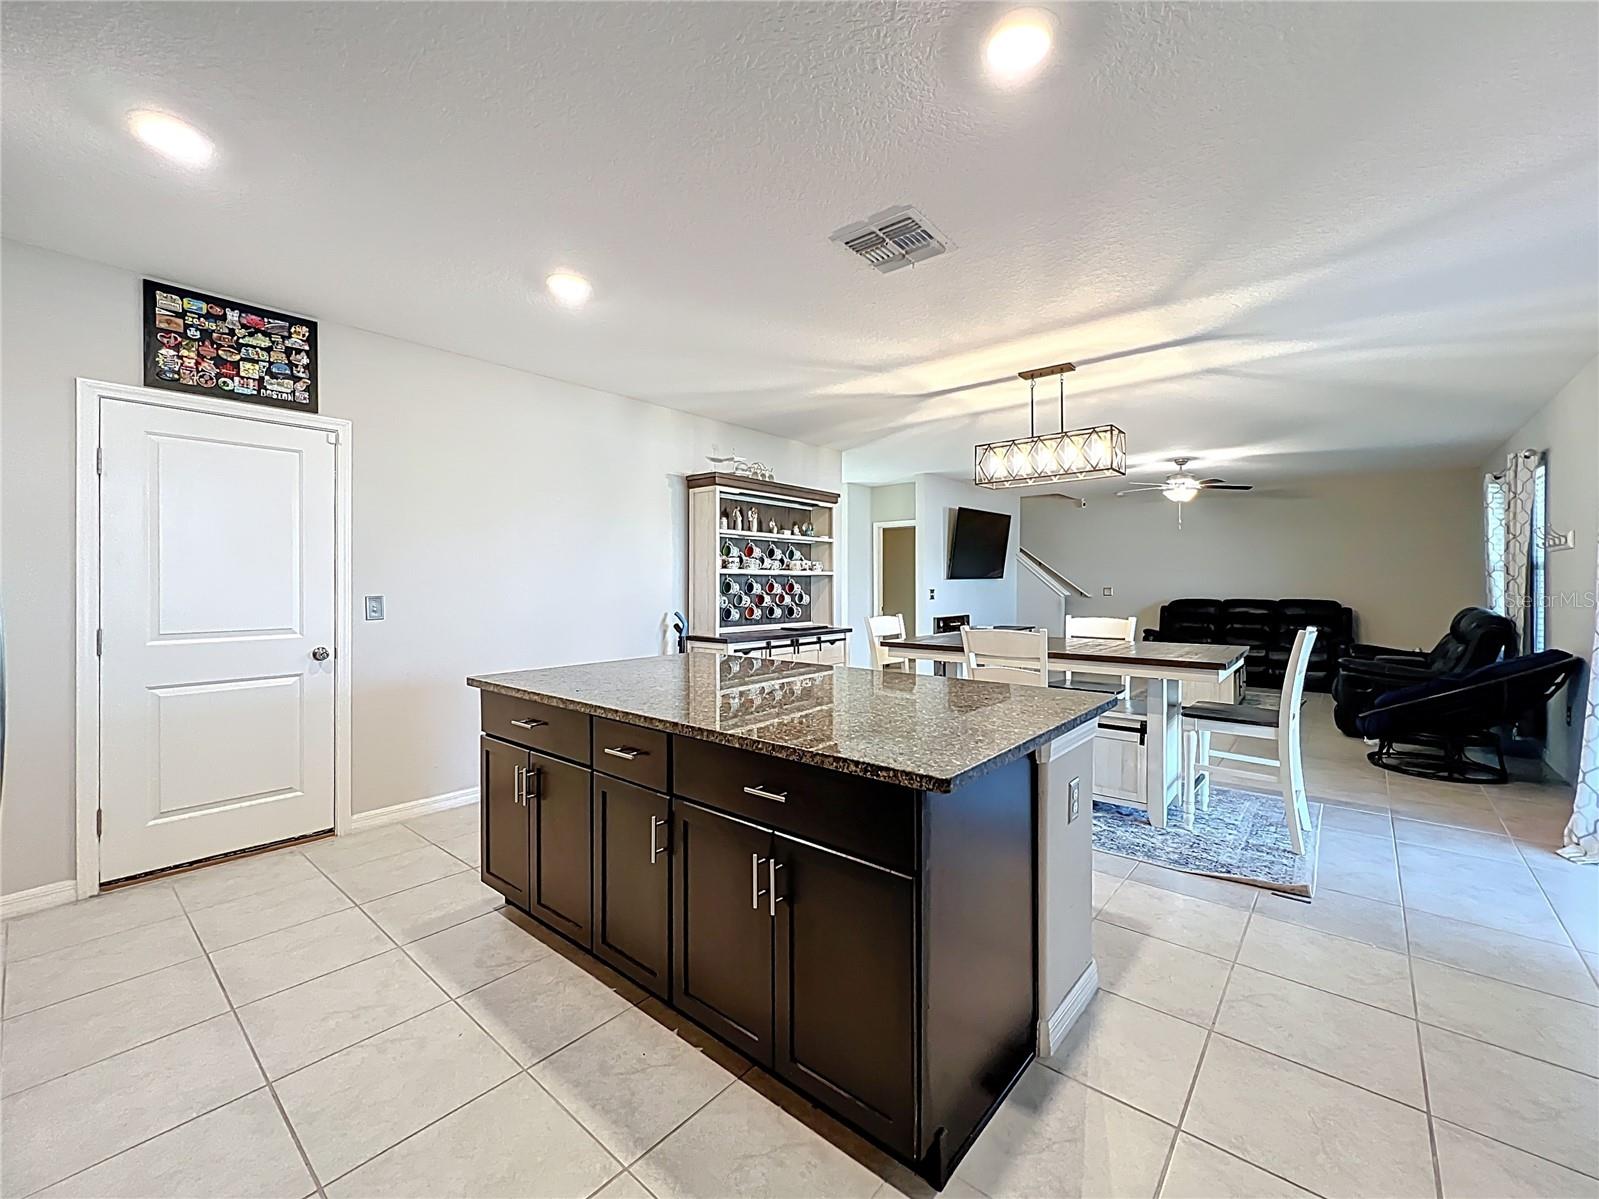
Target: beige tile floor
364, 1018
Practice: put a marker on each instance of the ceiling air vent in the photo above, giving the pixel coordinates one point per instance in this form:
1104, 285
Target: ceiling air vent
892, 239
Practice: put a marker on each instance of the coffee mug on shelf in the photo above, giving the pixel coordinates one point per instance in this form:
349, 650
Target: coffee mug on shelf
751, 611
729, 614
752, 586
773, 611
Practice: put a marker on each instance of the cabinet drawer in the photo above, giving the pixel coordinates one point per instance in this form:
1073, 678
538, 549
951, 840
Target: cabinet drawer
558, 731
874, 821
630, 752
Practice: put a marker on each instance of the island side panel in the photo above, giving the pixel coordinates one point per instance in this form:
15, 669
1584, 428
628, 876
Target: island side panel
1067, 978
979, 993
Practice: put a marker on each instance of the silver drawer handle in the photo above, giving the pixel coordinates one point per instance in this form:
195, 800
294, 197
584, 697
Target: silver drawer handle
762, 793
529, 723
772, 897
626, 752
656, 850
519, 786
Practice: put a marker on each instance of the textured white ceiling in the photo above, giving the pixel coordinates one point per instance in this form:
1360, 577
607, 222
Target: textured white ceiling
1282, 236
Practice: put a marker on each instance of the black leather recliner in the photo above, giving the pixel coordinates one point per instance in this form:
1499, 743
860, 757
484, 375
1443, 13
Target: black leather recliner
1438, 721
1476, 638
1268, 628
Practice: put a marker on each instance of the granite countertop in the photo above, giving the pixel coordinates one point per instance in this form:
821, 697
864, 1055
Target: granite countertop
914, 730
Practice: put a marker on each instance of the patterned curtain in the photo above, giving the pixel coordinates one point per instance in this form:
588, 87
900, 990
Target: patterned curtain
1582, 831
1518, 483
1493, 542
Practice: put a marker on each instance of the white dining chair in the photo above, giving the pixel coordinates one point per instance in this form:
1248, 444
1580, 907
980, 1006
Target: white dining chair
1105, 628
1007, 655
1285, 773
877, 629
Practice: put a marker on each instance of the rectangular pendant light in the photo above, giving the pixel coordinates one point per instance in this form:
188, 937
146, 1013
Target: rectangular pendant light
1096, 453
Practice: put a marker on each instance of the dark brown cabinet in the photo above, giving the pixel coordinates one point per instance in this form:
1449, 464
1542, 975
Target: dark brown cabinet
632, 881
560, 890
722, 929
502, 779
806, 960
844, 956
871, 944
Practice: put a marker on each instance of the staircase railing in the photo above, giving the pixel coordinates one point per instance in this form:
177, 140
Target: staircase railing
1051, 577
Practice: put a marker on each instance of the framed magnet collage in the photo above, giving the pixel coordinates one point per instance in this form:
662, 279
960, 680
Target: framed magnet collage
227, 349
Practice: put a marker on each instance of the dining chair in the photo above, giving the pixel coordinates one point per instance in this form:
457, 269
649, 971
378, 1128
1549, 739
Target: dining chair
1105, 628
877, 629
1285, 773
1007, 655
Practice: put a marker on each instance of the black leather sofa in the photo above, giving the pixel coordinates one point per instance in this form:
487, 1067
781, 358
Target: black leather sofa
1268, 628
1476, 638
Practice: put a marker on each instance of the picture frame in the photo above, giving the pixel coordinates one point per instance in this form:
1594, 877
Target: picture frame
202, 344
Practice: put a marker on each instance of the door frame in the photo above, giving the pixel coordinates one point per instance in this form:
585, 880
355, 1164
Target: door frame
877, 564
86, 677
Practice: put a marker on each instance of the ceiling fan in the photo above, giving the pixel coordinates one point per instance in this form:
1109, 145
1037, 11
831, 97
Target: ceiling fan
1182, 487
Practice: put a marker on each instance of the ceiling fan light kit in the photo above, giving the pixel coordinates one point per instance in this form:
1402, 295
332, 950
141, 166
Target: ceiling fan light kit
1098, 452
1183, 487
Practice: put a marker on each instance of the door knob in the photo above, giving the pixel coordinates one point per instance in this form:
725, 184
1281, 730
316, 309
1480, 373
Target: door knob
320, 653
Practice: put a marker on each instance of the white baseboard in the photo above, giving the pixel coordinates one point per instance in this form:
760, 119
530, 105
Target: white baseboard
411, 809
1053, 1029
20, 903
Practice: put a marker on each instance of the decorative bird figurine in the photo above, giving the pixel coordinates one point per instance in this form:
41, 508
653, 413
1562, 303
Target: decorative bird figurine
742, 466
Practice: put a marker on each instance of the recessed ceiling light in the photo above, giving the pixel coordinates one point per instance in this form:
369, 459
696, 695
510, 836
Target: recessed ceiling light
569, 289
171, 138
1018, 45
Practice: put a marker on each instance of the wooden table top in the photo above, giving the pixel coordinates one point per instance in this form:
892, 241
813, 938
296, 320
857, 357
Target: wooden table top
1146, 655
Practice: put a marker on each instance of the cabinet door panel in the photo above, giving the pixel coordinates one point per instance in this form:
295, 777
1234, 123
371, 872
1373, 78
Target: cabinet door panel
632, 876
504, 819
560, 880
721, 928
845, 962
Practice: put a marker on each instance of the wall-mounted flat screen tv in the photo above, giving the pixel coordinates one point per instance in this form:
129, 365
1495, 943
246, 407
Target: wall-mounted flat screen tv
977, 544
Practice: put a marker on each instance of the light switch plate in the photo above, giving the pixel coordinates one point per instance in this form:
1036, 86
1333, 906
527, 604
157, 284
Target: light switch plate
1074, 791
374, 607
1107, 591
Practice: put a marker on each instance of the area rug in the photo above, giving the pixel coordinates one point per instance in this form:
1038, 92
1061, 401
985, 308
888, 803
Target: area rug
1242, 838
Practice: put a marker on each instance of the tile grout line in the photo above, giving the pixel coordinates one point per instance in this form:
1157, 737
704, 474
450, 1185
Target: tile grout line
1204, 1048
277, 1101
1317, 1070
1421, 1047
1413, 1016
132, 928
455, 1001
1580, 1173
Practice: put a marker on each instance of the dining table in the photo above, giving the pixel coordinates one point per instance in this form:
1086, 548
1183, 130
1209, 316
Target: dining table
1162, 667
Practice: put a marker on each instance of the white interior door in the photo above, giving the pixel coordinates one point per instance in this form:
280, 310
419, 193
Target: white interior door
217, 615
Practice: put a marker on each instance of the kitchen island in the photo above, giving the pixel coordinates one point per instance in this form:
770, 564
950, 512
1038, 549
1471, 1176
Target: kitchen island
875, 885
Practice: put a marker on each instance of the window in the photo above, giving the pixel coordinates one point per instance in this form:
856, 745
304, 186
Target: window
1495, 515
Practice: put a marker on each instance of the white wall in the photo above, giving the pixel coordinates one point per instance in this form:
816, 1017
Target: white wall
509, 519
1568, 427
863, 507
988, 601
857, 583
1403, 549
